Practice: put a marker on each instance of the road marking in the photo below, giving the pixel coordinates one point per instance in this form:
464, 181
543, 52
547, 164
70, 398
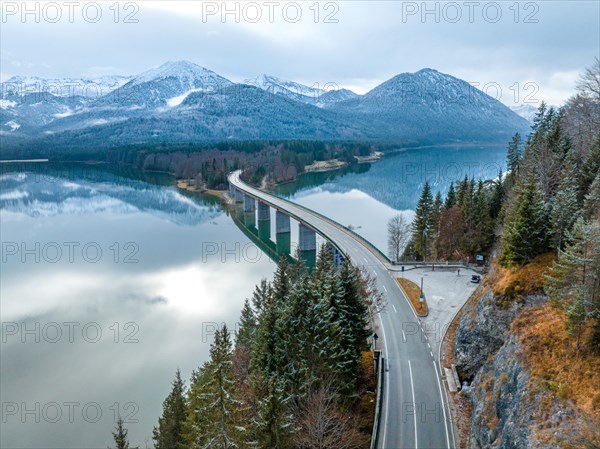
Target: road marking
365, 259
394, 308
412, 387
437, 374
386, 391
428, 345
384, 288
403, 335
431, 354
375, 273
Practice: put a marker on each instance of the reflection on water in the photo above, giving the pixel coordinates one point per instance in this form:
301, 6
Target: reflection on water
107, 286
365, 196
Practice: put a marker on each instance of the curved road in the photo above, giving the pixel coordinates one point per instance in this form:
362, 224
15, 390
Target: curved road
414, 411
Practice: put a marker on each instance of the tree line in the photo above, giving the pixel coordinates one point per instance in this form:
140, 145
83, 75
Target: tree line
290, 376
548, 202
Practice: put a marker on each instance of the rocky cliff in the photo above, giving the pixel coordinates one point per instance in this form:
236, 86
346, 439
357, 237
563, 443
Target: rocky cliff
511, 407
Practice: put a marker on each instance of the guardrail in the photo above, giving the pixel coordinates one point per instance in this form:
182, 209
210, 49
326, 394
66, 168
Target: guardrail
372, 247
379, 400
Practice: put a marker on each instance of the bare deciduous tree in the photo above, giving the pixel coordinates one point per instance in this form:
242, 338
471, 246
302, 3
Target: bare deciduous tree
398, 235
323, 425
589, 81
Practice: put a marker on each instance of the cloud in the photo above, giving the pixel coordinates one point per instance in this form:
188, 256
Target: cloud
365, 44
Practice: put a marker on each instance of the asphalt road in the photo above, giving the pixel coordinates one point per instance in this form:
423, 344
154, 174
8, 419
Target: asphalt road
415, 412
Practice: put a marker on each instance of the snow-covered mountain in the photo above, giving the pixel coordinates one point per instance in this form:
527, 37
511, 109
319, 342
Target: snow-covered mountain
181, 102
300, 92
90, 88
430, 106
165, 85
526, 111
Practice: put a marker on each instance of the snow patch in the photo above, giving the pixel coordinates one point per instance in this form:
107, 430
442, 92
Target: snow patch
176, 101
12, 125
5, 104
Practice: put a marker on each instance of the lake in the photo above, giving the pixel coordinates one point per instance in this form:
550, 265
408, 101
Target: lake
111, 280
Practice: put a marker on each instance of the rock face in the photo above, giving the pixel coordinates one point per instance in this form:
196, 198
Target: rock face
504, 406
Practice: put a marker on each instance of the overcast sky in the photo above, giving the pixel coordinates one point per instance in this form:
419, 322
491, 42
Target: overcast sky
354, 44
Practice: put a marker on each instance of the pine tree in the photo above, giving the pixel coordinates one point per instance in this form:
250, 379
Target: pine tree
483, 222
260, 296
450, 197
590, 168
170, 433
573, 281
527, 232
273, 423
514, 155
497, 198
565, 209
246, 332
421, 224
120, 435
435, 221
216, 426
265, 352
592, 200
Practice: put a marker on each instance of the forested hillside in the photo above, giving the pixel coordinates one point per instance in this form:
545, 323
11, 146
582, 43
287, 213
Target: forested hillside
297, 372
528, 341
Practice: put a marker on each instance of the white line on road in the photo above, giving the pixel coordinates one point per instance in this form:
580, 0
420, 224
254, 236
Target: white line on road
412, 387
431, 354
437, 374
394, 308
384, 288
375, 273
403, 335
386, 391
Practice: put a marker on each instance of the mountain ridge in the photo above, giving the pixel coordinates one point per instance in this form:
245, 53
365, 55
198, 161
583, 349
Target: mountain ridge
180, 101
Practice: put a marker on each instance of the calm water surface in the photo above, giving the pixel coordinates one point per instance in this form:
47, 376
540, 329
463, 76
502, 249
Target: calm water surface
109, 284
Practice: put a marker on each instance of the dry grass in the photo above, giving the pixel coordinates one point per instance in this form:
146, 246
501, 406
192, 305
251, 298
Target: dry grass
513, 283
558, 370
364, 409
413, 291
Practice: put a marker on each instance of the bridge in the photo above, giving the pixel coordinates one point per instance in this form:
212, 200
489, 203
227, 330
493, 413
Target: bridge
414, 407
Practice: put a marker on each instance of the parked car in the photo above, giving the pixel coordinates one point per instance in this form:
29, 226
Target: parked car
475, 279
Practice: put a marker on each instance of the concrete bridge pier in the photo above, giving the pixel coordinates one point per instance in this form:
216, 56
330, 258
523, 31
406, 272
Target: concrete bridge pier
249, 211
239, 196
264, 221
307, 245
337, 256
283, 234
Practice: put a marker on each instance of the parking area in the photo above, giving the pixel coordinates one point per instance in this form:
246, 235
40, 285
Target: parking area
446, 291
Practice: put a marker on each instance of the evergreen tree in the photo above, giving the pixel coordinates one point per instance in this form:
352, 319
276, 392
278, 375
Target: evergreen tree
450, 197
514, 154
573, 281
260, 296
422, 222
120, 435
565, 209
217, 425
497, 198
527, 231
590, 168
592, 200
170, 433
482, 220
273, 423
435, 221
246, 333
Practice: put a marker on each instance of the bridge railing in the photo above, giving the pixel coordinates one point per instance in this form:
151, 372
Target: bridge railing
379, 363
